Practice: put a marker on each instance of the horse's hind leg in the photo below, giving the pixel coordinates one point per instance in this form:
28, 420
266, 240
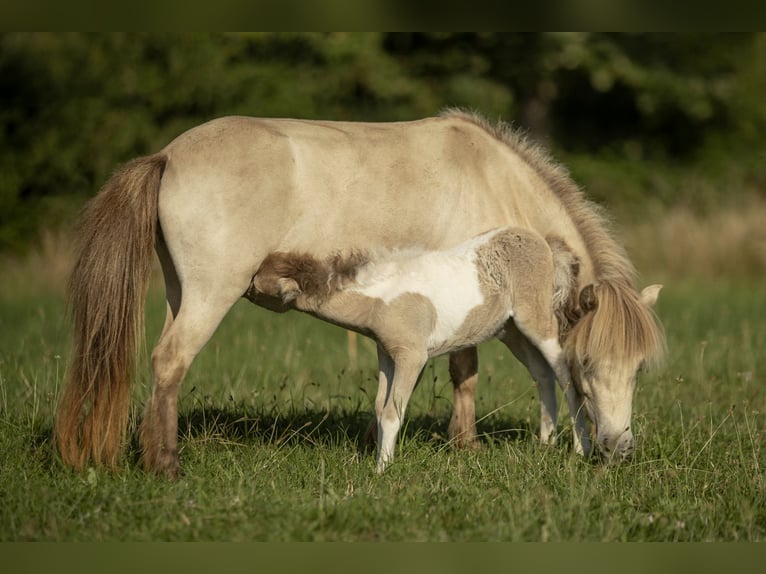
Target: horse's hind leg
463, 370
184, 336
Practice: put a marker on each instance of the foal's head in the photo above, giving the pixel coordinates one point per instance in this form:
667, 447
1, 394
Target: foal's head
302, 280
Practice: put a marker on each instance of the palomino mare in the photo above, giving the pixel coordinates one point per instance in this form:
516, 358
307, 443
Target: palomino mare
221, 196
420, 304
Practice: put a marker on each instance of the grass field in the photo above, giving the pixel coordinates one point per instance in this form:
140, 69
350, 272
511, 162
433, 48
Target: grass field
272, 414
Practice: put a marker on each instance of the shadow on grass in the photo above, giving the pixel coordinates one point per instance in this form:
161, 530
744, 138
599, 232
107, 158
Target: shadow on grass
238, 424
328, 427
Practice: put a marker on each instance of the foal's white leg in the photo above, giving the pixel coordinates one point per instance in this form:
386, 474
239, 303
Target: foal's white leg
385, 381
397, 381
553, 353
542, 374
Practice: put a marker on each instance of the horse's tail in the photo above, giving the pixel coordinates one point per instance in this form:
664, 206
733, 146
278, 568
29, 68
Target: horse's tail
106, 293
566, 268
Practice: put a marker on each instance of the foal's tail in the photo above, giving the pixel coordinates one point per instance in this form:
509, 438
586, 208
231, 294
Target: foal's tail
566, 268
106, 294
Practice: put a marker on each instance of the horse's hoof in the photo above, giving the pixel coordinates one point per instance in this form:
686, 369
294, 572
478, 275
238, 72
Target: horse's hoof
166, 465
465, 442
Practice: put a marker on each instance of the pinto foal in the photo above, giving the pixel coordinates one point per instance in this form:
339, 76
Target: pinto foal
508, 283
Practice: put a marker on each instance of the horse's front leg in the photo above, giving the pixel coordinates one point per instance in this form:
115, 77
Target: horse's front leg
398, 379
463, 370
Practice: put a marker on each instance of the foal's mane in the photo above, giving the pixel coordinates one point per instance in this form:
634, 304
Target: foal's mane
621, 324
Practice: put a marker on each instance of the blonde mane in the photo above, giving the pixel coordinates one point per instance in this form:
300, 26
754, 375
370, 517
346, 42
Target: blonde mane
621, 325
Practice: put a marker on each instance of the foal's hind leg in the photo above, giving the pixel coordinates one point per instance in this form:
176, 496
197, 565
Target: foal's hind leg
553, 353
537, 323
463, 370
543, 375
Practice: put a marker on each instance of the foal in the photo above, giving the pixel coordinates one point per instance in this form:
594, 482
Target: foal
507, 283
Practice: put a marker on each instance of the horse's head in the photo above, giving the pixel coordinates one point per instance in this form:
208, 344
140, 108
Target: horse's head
616, 336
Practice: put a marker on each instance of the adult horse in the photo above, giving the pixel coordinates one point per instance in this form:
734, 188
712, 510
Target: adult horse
223, 195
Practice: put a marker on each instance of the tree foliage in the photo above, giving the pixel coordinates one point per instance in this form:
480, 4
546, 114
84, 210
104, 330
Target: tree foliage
73, 106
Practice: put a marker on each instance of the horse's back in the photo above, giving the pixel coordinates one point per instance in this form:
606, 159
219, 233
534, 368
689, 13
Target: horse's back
237, 188
318, 186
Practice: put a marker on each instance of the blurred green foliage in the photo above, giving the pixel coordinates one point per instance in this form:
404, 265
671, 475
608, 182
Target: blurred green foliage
73, 106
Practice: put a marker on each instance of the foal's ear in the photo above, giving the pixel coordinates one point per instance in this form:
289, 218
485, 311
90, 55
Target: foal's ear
649, 295
588, 299
288, 289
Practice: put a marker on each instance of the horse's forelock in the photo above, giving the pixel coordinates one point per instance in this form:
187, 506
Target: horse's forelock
621, 327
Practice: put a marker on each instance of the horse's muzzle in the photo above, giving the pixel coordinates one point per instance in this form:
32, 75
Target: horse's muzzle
616, 449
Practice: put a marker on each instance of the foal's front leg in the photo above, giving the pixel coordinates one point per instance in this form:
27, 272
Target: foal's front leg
464, 374
397, 381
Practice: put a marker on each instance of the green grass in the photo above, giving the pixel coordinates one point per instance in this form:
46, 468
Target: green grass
272, 414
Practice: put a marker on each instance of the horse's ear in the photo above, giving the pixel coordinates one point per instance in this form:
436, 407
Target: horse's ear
288, 289
588, 299
649, 295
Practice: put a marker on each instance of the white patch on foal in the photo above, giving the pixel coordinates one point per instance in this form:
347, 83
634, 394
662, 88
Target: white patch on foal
449, 279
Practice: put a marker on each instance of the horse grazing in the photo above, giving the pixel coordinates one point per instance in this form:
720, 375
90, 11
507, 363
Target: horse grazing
417, 305
222, 196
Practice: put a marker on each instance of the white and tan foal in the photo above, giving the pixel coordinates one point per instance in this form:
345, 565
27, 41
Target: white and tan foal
508, 283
